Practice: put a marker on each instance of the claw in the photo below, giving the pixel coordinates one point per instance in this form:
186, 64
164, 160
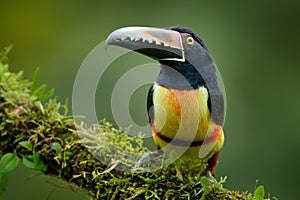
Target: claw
141, 160
210, 177
149, 161
200, 192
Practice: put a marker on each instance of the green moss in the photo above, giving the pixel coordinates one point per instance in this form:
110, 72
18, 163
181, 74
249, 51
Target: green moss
46, 139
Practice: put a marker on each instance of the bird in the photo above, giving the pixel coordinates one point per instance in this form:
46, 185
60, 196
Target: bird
185, 104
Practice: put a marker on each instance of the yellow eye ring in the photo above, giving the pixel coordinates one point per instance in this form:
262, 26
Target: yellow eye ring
190, 40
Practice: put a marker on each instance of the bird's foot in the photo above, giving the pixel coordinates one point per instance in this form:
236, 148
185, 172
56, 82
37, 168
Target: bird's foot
210, 177
139, 163
149, 161
199, 192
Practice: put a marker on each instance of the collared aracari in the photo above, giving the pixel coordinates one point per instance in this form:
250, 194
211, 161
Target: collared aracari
185, 104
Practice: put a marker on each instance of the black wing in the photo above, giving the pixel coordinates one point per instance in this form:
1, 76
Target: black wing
150, 108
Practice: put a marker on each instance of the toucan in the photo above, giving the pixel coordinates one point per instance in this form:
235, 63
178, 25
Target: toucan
186, 102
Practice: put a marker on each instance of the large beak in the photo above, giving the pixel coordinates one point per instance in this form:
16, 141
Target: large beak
159, 44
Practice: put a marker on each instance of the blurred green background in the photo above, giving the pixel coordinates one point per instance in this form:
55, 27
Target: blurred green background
255, 44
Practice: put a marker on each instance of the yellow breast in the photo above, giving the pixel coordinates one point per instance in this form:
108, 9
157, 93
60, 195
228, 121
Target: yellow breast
181, 114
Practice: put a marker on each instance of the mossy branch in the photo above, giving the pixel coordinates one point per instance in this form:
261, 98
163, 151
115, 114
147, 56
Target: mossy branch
46, 139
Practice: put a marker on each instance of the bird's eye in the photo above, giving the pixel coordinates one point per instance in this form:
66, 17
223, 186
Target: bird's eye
190, 40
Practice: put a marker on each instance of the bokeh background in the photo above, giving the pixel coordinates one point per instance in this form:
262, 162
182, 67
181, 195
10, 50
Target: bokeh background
255, 44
